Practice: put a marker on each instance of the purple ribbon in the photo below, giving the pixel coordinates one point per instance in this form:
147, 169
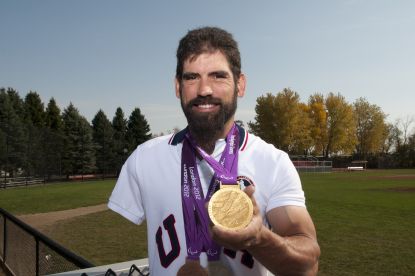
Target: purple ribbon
196, 218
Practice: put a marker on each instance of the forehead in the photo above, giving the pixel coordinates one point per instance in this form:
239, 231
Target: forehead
207, 61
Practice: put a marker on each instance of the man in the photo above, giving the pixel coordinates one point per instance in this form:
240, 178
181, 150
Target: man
168, 181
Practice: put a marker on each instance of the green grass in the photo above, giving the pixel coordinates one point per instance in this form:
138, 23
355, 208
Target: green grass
365, 221
102, 238
55, 197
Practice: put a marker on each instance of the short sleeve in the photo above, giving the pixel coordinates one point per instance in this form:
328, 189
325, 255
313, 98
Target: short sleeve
126, 198
286, 186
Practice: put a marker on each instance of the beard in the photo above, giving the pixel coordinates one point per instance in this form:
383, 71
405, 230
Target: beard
206, 128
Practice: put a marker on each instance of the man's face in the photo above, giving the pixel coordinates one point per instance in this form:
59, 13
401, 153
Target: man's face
208, 92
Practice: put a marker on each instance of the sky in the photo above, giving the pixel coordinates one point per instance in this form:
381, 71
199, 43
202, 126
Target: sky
101, 54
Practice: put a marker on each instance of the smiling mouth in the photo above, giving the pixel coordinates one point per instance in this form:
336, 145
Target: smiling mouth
205, 107
205, 104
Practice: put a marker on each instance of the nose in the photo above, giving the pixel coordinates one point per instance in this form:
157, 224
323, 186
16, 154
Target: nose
205, 87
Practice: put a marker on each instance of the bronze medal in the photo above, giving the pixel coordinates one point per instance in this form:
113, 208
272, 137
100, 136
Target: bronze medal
219, 269
192, 268
230, 207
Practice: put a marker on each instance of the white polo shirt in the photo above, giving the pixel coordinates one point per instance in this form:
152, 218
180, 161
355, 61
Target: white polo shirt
149, 188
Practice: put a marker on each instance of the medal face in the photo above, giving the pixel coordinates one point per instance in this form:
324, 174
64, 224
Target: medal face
230, 208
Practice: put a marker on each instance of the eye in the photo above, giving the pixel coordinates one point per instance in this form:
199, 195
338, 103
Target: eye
220, 75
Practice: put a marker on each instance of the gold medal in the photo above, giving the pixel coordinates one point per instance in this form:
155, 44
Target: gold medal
230, 207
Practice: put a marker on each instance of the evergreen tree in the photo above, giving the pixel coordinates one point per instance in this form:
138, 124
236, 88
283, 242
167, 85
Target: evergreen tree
78, 157
54, 139
16, 102
138, 130
102, 137
34, 110
12, 137
53, 119
34, 118
121, 148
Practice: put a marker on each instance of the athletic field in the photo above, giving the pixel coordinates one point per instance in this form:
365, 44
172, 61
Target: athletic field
365, 220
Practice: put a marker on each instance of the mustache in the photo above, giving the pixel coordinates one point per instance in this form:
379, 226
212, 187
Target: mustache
204, 100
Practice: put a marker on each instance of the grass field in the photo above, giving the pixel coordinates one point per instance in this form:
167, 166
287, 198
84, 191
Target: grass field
365, 221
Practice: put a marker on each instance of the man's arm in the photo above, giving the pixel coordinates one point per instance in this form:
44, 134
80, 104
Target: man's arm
289, 248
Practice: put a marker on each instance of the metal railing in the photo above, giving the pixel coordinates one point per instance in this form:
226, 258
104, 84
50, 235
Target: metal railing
313, 166
25, 251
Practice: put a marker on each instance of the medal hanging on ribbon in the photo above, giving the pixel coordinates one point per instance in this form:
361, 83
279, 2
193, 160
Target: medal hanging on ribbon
229, 207
221, 210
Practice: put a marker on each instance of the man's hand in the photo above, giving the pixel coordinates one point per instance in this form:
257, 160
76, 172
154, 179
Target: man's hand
289, 248
243, 238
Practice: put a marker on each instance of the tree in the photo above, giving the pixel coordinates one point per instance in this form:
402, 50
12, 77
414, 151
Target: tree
404, 124
390, 140
318, 127
264, 125
370, 128
34, 118
53, 119
411, 154
341, 126
403, 147
12, 136
283, 121
16, 103
34, 110
303, 141
239, 123
102, 137
54, 139
138, 130
78, 155
121, 148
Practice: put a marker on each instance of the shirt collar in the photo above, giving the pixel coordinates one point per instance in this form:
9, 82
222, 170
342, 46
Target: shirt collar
178, 137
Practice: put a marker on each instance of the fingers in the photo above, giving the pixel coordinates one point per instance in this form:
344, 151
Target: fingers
234, 239
243, 238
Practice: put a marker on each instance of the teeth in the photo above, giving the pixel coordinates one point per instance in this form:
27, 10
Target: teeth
206, 106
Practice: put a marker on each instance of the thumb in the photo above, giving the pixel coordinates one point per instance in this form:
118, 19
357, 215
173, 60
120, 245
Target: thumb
249, 190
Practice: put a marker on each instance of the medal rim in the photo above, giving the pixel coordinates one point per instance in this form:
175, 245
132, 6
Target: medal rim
227, 190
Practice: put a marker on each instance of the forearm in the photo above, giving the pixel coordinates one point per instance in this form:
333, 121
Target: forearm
293, 255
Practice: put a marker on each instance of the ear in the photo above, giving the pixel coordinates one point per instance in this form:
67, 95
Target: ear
241, 83
177, 87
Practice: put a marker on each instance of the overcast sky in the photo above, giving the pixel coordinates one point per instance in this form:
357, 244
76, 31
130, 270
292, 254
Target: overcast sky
107, 54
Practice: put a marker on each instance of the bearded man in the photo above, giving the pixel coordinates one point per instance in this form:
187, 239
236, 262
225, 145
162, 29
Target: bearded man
217, 199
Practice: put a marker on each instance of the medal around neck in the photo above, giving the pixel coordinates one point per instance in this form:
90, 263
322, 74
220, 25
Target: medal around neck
191, 268
217, 268
230, 208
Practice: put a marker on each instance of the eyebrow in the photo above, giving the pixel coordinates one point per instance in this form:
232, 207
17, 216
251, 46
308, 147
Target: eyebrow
186, 75
220, 72
213, 73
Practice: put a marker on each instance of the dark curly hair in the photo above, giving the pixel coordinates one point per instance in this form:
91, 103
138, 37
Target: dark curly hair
208, 39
